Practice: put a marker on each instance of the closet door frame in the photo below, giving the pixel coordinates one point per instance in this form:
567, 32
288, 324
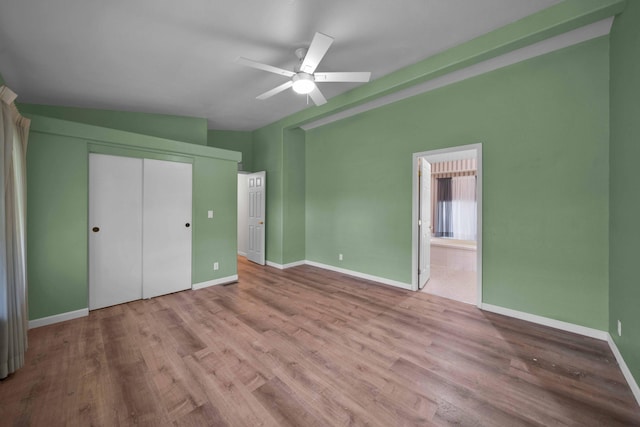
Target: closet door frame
98, 150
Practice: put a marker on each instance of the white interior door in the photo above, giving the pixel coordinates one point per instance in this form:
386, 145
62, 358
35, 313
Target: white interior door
115, 230
257, 192
166, 236
243, 214
424, 224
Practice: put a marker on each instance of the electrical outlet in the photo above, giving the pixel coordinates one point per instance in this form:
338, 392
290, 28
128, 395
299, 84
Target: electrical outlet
216, 266
339, 257
209, 214
619, 328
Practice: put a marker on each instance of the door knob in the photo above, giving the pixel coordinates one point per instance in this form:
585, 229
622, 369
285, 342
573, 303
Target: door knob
187, 225
261, 222
95, 229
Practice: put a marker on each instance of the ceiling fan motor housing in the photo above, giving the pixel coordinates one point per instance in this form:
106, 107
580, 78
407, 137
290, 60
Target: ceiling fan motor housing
301, 52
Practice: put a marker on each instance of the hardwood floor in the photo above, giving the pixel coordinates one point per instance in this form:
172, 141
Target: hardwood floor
308, 347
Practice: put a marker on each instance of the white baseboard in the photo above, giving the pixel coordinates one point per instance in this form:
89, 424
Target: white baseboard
62, 317
221, 281
540, 320
57, 318
242, 253
285, 266
624, 368
294, 264
343, 271
275, 265
360, 275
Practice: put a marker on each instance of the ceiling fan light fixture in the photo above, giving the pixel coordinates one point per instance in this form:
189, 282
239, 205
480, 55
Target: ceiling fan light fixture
303, 78
303, 83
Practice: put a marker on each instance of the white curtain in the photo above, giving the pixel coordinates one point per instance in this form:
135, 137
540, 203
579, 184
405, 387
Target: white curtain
464, 213
13, 275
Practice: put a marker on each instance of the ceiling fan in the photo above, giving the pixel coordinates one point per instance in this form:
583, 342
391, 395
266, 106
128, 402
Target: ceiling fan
304, 78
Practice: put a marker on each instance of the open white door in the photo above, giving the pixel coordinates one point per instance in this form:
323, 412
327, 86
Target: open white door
166, 259
424, 221
115, 230
257, 194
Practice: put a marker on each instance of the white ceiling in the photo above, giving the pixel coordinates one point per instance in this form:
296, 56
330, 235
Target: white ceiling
177, 57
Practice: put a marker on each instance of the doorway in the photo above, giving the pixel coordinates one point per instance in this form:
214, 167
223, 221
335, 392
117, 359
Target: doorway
447, 229
251, 216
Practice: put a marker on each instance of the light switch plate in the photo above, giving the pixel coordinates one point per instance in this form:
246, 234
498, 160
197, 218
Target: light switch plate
209, 214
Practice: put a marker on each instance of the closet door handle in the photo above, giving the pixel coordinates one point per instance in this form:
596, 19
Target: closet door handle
95, 229
187, 225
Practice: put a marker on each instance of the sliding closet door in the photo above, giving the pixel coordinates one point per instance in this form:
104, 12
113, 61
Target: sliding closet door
115, 230
166, 259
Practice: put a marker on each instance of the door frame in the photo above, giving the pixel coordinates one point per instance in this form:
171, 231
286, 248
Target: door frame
415, 262
262, 175
243, 214
421, 221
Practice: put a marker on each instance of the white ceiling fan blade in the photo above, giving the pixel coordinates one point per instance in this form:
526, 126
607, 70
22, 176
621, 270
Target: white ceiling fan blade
317, 96
342, 77
318, 48
276, 90
264, 67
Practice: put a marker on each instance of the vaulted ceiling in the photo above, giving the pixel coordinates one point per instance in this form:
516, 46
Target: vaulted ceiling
169, 57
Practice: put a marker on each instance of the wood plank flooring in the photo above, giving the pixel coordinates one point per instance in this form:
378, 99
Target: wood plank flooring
308, 347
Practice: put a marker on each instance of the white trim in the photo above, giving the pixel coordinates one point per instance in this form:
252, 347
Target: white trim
244, 254
624, 368
57, 318
479, 199
442, 154
214, 282
570, 38
378, 279
275, 265
294, 264
285, 266
540, 320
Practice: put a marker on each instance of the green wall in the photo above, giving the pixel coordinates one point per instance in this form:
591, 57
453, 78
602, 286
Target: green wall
268, 156
1, 80
544, 128
270, 140
293, 247
241, 141
625, 199
57, 205
178, 128
281, 153
215, 188
57, 199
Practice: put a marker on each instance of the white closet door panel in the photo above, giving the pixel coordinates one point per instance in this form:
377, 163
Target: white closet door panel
166, 259
115, 230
